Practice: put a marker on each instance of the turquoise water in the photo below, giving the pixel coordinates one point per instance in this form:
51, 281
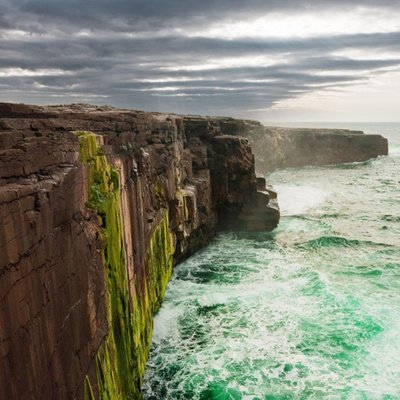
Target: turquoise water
309, 311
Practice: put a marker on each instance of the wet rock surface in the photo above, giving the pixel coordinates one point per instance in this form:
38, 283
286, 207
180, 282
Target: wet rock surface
54, 312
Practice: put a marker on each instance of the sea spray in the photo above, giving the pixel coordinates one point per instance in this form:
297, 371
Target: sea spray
310, 311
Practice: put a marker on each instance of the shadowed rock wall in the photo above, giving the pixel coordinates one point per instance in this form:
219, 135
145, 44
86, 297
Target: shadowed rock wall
97, 205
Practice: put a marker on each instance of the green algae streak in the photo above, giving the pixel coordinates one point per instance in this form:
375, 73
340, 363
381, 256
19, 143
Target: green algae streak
121, 359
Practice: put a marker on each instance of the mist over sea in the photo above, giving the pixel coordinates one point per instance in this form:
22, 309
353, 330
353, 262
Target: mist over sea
309, 311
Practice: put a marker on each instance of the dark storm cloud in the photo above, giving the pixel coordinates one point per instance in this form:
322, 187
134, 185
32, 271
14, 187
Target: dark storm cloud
51, 62
149, 14
78, 52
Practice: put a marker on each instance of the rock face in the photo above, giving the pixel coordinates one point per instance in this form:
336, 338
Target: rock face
97, 205
297, 147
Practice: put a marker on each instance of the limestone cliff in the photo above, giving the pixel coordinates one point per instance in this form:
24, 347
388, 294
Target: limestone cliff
276, 147
97, 205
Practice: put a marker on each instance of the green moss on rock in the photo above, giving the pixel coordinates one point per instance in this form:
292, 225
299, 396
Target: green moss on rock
121, 359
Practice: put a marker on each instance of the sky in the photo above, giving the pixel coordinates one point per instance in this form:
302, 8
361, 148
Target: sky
271, 60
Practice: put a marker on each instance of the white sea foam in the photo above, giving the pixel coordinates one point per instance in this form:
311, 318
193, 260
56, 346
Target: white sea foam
302, 316
298, 199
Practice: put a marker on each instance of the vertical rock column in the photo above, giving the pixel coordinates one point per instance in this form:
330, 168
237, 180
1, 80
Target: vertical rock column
52, 316
242, 200
121, 359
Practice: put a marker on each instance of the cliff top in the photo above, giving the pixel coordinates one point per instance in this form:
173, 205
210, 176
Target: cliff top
86, 111
20, 110
321, 131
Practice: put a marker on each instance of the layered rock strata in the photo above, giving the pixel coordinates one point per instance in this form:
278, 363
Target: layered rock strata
276, 147
97, 205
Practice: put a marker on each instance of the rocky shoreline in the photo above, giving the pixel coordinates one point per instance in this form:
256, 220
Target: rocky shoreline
97, 205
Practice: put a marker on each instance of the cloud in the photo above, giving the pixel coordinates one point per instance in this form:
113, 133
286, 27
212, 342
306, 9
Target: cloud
136, 15
77, 52
147, 54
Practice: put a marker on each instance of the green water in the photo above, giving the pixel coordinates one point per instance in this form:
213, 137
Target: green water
310, 311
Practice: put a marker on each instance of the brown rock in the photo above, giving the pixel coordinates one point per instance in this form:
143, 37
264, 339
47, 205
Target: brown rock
53, 315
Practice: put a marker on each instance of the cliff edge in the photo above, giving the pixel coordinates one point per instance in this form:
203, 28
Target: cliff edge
97, 205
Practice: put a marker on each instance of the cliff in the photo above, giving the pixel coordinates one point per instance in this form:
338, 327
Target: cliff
97, 205
276, 147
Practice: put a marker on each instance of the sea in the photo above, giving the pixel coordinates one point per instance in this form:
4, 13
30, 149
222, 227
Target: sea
308, 311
